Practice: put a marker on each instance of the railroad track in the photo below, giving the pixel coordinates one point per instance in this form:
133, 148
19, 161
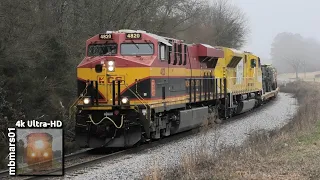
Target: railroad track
88, 156
67, 158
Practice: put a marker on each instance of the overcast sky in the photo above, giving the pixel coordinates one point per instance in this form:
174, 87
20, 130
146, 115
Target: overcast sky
267, 18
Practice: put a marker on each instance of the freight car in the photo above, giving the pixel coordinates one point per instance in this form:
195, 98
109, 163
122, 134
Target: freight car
135, 86
39, 151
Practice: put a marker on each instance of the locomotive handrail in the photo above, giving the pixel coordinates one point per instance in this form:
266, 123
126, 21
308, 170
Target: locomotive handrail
223, 85
106, 117
219, 88
136, 96
77, 100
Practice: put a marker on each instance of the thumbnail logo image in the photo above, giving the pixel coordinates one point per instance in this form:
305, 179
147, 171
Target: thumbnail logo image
39, 152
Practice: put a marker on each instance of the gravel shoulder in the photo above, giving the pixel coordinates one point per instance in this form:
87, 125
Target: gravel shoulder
134, 166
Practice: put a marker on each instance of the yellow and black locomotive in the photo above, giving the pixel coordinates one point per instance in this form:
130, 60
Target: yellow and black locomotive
135, 86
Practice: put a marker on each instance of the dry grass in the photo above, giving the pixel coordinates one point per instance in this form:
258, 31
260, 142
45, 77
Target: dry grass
289, 153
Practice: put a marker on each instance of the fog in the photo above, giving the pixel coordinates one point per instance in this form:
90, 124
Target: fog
269, 18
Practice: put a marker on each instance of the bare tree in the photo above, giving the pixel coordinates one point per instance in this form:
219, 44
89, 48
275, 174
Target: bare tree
221, 24
294, 62
291, 52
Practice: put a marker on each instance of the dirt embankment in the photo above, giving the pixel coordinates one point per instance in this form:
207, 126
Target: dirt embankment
291, 152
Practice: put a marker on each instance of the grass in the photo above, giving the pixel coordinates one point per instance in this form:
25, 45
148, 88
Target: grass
312, 137
293, 152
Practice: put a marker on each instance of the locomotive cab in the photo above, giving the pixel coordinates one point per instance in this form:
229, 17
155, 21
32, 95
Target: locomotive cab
119, 57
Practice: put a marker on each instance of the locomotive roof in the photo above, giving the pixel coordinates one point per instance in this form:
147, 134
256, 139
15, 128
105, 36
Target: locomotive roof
206, 50
236, 52
207, 45
159, 38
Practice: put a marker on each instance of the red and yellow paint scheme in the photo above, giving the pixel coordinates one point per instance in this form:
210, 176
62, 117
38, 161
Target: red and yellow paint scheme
39, 151
135, 86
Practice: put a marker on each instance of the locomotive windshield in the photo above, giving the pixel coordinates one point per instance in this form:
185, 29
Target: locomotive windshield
137, 49
102, 49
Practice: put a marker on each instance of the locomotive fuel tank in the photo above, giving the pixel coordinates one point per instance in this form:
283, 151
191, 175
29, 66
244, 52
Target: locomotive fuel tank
191, 118
246, 105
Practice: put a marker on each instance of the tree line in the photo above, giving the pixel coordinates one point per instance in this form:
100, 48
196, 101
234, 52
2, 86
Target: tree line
291, 52
42, 41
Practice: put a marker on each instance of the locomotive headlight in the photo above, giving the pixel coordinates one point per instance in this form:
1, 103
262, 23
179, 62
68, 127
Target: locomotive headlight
86, 100
39, 144
111, 63
33, 154
110, 66
45, 154
125, 100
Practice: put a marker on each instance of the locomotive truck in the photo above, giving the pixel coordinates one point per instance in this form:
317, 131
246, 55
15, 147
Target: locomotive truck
136, 86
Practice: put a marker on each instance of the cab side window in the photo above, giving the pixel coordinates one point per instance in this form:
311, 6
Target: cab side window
163, 55
170, 52
185, 54
180, 54
175, 60
253, 63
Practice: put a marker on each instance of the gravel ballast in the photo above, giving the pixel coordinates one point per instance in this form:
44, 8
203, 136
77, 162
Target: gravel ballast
134, 166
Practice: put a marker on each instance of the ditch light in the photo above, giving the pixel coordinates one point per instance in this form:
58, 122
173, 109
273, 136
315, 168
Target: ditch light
111, 67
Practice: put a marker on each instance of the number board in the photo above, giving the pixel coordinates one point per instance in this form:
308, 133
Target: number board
133, 35
105, 36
